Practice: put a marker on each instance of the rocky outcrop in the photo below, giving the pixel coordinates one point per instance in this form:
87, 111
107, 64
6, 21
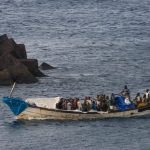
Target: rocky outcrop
5, 78
14, 65
10, 46
45, 66
32, 65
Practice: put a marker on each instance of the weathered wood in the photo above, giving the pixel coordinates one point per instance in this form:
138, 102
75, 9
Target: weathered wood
43, 113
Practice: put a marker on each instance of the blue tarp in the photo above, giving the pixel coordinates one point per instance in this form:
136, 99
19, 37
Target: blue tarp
121, 105
17, 105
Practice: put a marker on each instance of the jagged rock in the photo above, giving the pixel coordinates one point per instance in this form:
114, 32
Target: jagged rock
45, 66
6, 45
10, 46
19, 51
7, 60
21, 74
14, 65
5, 78
16, 69
3, 38
32, 65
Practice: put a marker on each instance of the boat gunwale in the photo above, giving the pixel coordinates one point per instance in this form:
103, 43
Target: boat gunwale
141, 109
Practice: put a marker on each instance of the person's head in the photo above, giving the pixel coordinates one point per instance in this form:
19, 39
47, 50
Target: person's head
126, 96
138, 94
147, 90
107, 97
97, 96
112, 94
125, 87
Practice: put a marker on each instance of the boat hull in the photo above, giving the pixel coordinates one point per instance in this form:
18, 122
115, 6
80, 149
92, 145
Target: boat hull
42, 113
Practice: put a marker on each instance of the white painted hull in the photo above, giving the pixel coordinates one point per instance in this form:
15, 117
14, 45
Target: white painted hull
42, 113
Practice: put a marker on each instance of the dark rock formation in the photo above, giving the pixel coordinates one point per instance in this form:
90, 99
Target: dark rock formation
6, 45
32, 65
14, 65
5, 78
45, 66
21, 74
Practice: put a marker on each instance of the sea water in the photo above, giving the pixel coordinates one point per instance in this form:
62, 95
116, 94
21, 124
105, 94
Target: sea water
97, 47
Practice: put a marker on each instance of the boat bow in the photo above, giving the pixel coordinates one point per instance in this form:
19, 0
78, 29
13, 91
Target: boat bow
17, 105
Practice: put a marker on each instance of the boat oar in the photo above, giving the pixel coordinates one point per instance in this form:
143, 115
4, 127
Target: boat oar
12, 90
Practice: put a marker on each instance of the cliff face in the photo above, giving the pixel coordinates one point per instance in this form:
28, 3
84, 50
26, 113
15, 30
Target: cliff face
14, 65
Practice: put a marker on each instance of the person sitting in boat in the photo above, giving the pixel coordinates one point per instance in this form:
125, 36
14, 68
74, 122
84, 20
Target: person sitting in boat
69, 105
59, 105
104, 103
98, 102
125, 92
112, 101
138, 99
98, 106
146, 96
79, 106
86, 106
88, 98
74, 104
94, 106
127, 100
105, 106
98, 97
107, 99
65, 104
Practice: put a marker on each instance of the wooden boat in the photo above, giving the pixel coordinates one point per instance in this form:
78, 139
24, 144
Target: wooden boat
41, 113
25, 110
45, 108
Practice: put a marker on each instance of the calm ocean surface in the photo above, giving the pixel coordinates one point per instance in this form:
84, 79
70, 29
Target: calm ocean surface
98, 46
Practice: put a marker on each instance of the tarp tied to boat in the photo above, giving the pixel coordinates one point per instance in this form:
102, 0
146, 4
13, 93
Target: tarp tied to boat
44, 102
121, 105
17, 105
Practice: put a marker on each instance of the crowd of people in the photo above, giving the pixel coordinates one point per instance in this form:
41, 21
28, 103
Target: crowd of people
139, 100
103, 102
